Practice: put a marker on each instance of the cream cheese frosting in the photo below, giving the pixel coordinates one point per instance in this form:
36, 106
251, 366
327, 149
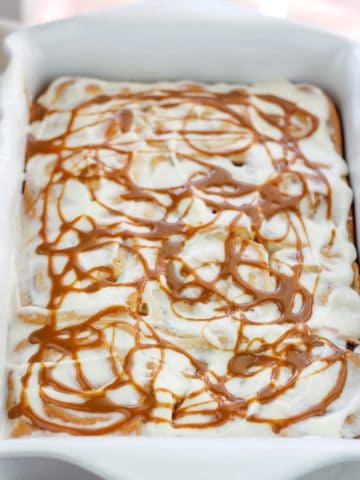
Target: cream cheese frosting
186, 264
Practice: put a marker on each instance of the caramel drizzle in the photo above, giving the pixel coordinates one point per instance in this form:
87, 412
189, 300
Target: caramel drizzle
293, 350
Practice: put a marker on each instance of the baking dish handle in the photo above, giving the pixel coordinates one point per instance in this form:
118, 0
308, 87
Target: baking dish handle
211, 462
132, 458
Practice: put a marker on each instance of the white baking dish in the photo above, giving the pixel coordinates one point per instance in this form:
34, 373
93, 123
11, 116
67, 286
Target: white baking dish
212, 45
6, 27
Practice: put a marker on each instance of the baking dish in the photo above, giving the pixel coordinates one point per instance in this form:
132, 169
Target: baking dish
6, 27
208, 46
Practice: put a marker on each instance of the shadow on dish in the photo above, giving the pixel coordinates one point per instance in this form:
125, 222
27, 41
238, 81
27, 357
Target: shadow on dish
340, 471
40, 468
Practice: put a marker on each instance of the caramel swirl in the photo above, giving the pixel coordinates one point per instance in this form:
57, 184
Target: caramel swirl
135, 180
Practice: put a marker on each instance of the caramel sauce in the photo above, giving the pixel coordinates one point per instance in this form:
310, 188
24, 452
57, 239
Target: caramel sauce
293, 350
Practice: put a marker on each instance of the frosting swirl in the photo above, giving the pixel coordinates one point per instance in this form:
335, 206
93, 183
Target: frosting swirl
184, 247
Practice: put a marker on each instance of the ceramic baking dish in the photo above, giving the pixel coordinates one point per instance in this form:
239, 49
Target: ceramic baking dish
159, 44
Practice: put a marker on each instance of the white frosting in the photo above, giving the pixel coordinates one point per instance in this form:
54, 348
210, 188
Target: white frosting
202, 330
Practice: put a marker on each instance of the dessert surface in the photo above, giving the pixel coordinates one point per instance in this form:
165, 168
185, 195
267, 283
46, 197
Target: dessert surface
186, 264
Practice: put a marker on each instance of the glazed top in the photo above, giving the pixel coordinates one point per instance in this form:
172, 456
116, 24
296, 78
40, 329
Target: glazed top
186, 263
